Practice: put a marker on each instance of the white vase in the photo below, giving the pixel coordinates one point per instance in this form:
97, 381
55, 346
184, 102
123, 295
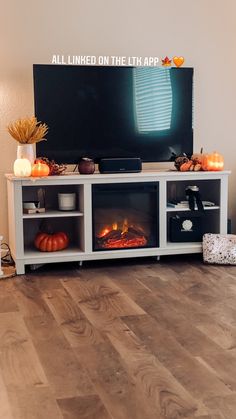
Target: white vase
26, 151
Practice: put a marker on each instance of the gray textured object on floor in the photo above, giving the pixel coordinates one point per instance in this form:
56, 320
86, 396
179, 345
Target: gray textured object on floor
219, 248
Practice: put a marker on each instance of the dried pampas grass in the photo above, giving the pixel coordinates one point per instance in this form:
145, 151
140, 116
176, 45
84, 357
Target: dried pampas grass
27, 130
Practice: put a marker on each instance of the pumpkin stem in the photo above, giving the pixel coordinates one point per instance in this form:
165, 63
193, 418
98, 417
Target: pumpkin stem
201, 151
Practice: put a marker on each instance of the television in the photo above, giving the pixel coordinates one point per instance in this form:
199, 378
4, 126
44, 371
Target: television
107, 112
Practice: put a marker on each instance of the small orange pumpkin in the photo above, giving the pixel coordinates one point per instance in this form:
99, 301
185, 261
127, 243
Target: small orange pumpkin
51, 242
40, 169
198, 157
213, 162
185, 167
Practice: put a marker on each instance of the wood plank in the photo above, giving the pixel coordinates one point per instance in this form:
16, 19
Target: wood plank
226, 405
207, 366
159, 388
29, 298
5, 408
128, 282
32, 403
65, 374
8, 301
210, 289
101, 300
220, 332
200, 278
161, 308
88, 407
219, 270
113, 384
211, 416
76, 328
160, 271
45, 281
175, 358
85, 295
224, 335
19, 361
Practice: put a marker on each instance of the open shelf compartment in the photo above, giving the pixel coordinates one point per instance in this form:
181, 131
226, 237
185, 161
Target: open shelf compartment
72, 226
48, 197
209, 190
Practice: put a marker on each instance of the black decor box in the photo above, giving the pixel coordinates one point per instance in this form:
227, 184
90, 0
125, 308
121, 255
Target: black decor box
186, 228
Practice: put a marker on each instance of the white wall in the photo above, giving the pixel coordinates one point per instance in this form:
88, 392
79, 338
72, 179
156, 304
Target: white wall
203, 31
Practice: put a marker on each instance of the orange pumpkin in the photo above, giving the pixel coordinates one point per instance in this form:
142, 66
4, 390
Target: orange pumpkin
51, 242
185, 167
40, 169
213, 162
198, 157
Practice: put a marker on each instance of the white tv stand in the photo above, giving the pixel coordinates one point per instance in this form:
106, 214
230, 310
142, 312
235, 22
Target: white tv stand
172, 184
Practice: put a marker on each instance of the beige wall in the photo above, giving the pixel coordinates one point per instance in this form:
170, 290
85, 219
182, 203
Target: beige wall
203, 31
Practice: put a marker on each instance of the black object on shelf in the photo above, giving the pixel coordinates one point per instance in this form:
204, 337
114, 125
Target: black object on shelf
186, 229
194, 198
120, 165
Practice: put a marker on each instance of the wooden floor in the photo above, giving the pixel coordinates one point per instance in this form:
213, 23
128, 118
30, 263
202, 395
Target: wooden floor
131, 340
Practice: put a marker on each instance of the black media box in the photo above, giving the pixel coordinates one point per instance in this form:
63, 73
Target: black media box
120, 165
186, 229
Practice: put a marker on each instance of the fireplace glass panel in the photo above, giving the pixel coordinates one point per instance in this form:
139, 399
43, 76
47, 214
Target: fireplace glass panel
125, 216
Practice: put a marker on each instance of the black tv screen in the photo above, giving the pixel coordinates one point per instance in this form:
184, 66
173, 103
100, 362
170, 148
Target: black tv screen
103, 112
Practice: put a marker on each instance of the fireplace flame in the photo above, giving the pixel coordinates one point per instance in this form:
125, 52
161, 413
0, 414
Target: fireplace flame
114, 226
125, 226
105, 231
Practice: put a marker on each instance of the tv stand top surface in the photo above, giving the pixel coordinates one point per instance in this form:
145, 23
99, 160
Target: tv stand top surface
145, 175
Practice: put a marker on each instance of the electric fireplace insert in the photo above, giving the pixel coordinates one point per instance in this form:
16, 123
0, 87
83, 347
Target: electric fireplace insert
125, 216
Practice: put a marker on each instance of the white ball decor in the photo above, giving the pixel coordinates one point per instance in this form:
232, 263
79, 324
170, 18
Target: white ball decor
22, 168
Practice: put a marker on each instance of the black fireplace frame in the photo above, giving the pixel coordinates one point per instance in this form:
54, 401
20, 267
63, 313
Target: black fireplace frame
142, 187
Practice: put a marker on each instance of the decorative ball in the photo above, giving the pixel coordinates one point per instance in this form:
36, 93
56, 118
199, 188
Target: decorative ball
86, 166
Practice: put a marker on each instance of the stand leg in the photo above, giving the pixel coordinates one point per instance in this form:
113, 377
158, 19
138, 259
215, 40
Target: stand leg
80, 263
158, 258
20, 267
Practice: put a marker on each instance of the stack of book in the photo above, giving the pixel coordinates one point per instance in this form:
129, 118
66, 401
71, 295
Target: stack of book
185, 204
